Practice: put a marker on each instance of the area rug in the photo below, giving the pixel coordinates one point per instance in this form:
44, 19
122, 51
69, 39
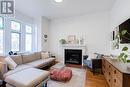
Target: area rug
77, 80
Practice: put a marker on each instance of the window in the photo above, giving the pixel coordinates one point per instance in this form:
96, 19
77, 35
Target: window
15, 41
1, 34
15, 36
1, 23
1, 41
28, 40
15, 26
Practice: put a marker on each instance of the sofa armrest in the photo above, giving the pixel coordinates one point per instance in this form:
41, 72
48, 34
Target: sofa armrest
3, 69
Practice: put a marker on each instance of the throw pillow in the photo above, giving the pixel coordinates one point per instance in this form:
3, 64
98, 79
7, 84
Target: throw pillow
11, 64
44, 55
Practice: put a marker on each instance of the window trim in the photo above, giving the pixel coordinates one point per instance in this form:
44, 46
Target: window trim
2, 28
2, 41
3, 22
17, 22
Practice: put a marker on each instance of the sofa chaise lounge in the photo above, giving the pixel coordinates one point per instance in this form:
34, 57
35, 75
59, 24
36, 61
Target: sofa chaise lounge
28, 72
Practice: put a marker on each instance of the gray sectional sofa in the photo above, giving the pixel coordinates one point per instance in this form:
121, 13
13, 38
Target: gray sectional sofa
28, 72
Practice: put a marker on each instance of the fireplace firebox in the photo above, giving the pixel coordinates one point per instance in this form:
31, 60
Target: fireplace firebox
73, 56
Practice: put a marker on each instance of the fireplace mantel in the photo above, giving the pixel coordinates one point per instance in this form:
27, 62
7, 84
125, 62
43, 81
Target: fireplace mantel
73, 45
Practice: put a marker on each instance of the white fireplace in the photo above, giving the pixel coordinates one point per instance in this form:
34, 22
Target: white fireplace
73, 47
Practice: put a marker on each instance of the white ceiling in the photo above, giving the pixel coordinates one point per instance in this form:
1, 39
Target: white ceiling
67, 8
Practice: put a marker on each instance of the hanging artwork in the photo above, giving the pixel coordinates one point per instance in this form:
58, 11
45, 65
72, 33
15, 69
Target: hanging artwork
116, 38
45, 37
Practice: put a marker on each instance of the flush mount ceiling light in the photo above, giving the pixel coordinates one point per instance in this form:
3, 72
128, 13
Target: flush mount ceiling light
58, 1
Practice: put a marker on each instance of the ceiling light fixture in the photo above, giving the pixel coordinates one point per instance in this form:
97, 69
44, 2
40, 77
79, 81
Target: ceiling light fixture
58, 1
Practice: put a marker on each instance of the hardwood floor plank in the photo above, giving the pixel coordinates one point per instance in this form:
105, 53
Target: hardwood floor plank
96, 80
93, 80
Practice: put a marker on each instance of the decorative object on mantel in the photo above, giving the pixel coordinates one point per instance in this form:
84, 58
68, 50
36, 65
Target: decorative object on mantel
62, 41
72, 39
81, 41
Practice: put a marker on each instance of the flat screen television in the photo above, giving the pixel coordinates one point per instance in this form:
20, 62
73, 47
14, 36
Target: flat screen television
125, 26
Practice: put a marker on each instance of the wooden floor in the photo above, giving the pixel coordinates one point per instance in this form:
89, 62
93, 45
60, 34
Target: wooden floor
96, 80
92, 80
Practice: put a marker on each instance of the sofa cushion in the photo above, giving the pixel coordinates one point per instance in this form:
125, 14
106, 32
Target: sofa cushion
17, 59
49, 59
28, 57
41, 62
38, 55
17, 69
44, 55
38, 63
10, 62
25, 79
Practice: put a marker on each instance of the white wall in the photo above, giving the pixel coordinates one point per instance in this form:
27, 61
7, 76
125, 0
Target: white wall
45, 27
93, 27
38, 23
119, 14
42, 24
24, 18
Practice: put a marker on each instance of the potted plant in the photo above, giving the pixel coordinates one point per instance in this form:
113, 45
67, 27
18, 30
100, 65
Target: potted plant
124, 55
62, 41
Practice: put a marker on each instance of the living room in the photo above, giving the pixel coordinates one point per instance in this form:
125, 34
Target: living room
63, 27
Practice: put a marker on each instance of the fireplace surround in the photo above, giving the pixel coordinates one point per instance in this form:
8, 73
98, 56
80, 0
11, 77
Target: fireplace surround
73, 56
73, 53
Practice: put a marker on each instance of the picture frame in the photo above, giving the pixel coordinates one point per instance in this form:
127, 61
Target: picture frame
71, 39
45, 36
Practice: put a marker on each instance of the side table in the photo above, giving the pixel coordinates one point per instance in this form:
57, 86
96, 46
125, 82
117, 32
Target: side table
94, 64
